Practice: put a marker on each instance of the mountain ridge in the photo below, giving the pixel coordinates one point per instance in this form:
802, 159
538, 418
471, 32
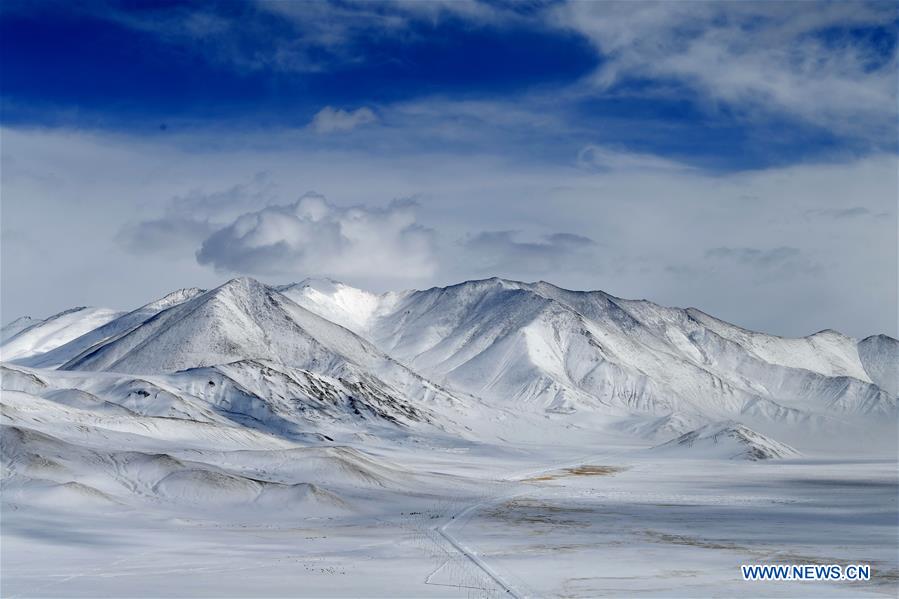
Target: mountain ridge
501, 344
640, 344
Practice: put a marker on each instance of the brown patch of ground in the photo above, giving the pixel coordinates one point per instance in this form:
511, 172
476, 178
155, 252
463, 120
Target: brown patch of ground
530, 512
583, 470
661, 537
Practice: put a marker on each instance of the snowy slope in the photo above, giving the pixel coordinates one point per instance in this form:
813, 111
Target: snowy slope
45, 335
241, 319
827, 352
47, 470
18, 325
322, 353
552, 349
289, 400
348, 306
728, 440
111, 329
77, 440
879, 355
263, 346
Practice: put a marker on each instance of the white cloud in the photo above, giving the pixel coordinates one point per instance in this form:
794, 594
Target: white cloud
331, 120
315, 237
655, 226
755, 56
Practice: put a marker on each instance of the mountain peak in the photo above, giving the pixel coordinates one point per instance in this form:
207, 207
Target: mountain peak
242, 290
241, 319
247, 283
173, 298
828, 333
481, 284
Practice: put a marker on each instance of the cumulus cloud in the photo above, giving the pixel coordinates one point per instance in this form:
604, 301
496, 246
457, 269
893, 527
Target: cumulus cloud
505, 252
313, 236
331, 120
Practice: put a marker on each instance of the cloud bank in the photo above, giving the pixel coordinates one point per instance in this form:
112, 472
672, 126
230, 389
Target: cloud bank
652, 228
313, 236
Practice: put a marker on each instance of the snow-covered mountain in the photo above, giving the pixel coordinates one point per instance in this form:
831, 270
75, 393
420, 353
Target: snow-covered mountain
240, 320
246, 348
319, 352
114, 328
537, 345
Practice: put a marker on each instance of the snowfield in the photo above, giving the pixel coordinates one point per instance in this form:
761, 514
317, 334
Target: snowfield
489, 439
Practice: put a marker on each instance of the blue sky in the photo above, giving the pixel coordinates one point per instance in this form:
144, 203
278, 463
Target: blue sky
146, 67
61, 68
489, 131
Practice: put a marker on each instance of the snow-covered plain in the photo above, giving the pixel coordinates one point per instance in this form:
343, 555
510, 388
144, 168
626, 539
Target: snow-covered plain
492, 438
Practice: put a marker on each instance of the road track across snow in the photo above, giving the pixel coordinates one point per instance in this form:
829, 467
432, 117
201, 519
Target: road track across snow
472, 555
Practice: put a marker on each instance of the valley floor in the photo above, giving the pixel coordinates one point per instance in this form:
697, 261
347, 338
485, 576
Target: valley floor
515, 522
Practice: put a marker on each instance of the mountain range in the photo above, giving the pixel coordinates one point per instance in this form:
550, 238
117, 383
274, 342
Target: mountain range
323, 358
